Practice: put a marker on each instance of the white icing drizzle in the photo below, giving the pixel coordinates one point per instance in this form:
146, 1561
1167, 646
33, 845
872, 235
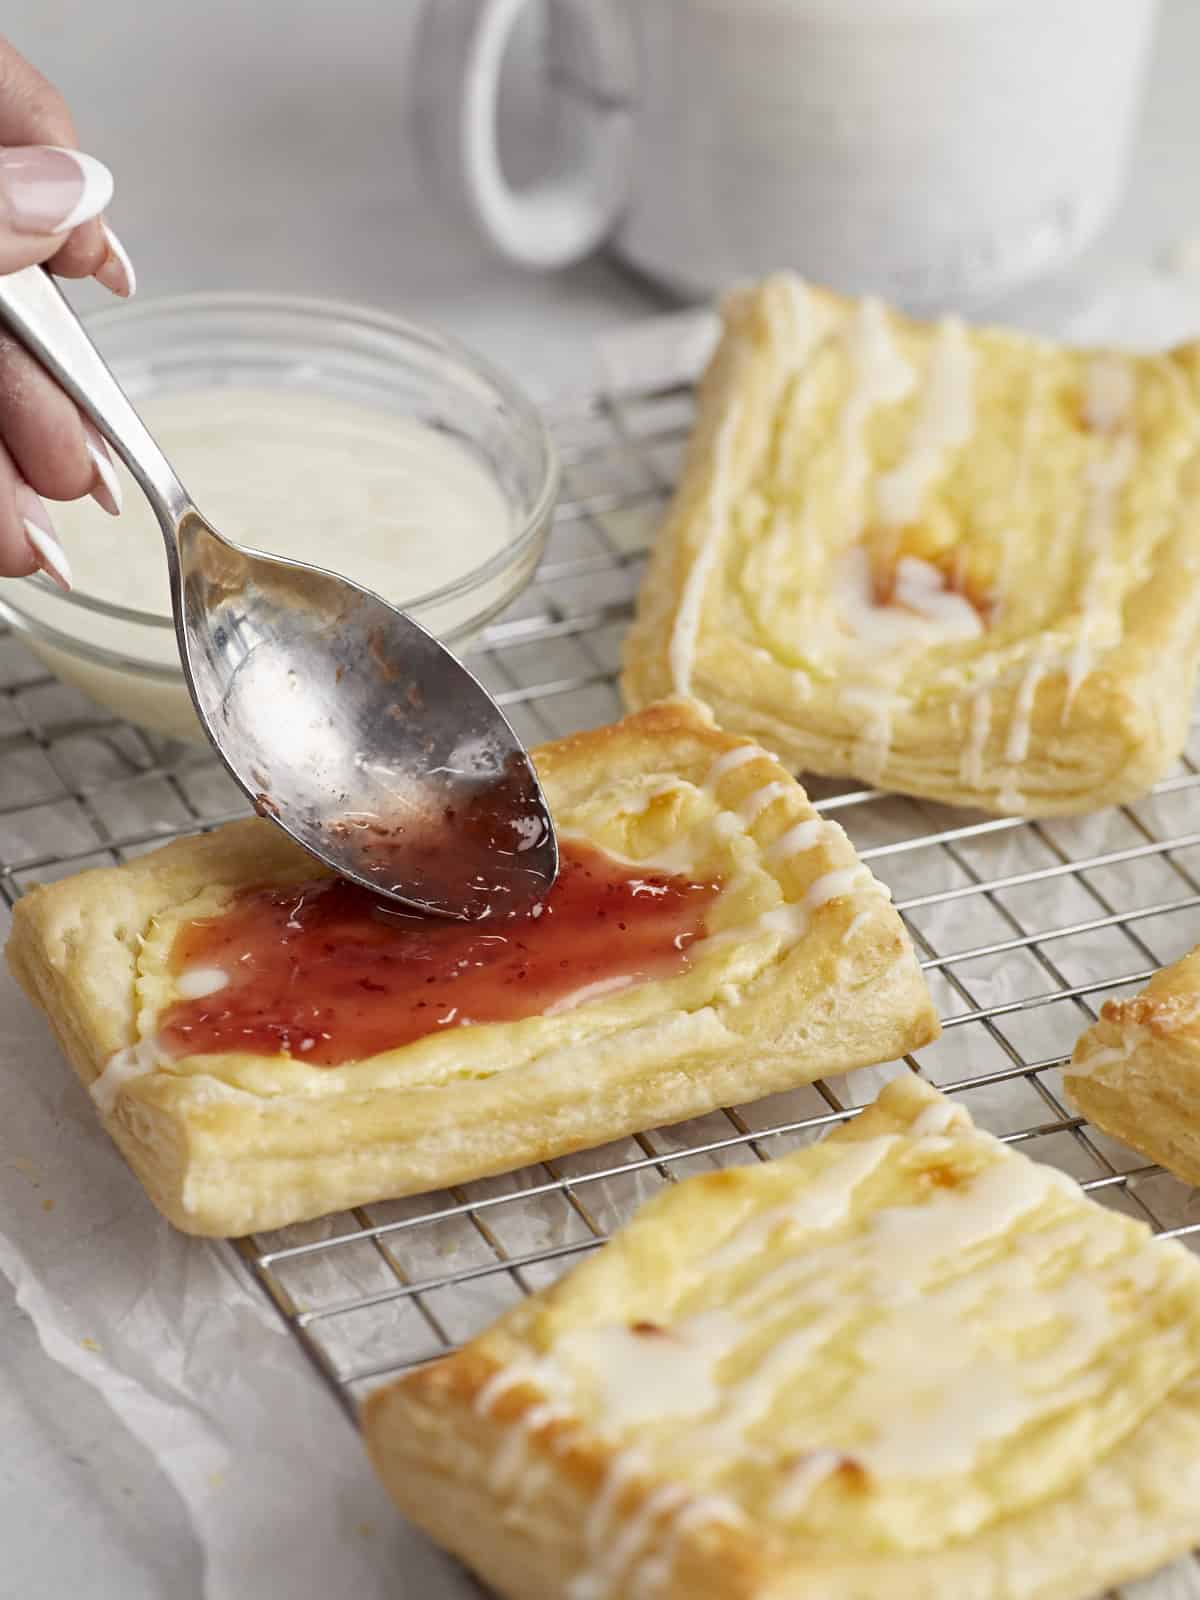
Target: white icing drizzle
1104, 1056
971, 768
879, 376
1079, 668
1016, 746
602, 1579
600, 990
681, 652
833, 885
511, 1458
1109, 393
649, 1377
755, 804
804, 323
730, 762
876, 705
725, 825
653, 1573
641, 803
1108, 397
1020, 483
823, 1202
789, 920
135, 1061
938, 1118
923, 611
921, 588
945, 420
199, 982
601, 1524
539, 1376
806, 835
905, 1259
802, 1482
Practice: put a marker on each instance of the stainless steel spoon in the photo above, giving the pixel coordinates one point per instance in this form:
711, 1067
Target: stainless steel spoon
339, 716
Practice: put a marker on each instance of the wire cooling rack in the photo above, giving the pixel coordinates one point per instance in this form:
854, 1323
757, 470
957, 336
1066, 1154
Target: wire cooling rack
1023, 929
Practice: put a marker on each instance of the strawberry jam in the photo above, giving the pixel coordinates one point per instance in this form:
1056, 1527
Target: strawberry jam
323, 972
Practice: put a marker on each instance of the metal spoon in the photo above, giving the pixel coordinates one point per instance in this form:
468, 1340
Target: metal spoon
339, 717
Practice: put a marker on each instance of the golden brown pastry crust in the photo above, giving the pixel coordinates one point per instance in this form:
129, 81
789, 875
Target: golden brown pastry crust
504, 1453
238, 1143
1136, 1071
1053, 493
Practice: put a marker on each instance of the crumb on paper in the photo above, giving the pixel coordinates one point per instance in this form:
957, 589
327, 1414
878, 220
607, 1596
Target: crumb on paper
367, 1529
47, 1205
89, 1344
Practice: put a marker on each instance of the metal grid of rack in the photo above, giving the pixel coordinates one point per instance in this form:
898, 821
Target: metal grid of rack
1023, 928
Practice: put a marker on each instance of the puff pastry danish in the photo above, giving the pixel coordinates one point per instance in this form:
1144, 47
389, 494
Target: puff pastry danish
958, 563
1136, 1071
905, 1361
802, 968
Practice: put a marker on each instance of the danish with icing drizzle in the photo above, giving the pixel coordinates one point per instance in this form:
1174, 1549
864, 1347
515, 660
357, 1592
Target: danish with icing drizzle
904, 1361
265, 1044
957, 563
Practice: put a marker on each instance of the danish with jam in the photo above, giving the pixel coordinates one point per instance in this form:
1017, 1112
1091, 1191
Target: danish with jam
265, 1044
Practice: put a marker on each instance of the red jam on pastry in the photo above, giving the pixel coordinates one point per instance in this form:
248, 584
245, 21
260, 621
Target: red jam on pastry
321, 971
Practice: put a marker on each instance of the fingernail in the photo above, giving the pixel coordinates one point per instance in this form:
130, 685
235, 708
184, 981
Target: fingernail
47, 189
117, 272
107, 491
51, 557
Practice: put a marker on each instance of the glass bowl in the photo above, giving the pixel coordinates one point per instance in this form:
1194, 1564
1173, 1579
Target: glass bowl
126, 658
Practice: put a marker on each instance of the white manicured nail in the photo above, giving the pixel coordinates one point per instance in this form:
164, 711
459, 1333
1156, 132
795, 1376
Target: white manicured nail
117, 272
47, 189
107, 491
52, 558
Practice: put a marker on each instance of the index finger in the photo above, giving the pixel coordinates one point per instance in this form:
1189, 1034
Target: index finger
33, 112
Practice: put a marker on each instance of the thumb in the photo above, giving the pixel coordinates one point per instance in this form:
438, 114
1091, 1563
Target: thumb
45, 191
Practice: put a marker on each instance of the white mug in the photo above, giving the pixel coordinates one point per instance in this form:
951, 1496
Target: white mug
929, 150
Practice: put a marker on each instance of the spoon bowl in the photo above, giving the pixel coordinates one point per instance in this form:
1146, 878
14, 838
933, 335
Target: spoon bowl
342, 720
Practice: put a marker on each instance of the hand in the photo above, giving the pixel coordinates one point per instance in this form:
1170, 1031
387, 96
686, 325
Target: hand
51, 198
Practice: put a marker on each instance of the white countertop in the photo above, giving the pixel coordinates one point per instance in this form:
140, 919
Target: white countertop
265, 147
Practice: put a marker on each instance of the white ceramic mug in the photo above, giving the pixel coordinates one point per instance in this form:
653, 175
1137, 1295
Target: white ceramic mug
929, 150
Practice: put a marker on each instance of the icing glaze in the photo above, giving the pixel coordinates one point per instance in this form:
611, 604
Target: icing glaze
681, 652
879, 375
945, 420
135, 1061
756, 803
198, 982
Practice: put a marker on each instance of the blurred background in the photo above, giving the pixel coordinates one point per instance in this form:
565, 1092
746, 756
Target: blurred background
270, 146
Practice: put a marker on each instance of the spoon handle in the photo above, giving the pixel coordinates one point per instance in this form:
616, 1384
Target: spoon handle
34, 309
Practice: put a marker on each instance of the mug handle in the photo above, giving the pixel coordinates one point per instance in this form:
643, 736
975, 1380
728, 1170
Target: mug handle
559, 220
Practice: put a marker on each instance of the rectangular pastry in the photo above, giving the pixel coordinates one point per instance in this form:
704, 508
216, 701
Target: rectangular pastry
265, 1046
1135, 1073
957, 563
905, 1361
